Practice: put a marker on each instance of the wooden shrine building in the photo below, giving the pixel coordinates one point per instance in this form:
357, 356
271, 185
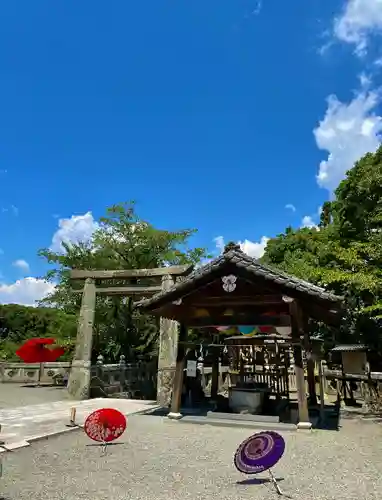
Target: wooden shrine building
235, 289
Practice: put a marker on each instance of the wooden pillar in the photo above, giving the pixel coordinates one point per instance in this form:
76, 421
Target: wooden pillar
79, 378
322, 392
215, 375
297, 333
176, 398
168, 346
309, 364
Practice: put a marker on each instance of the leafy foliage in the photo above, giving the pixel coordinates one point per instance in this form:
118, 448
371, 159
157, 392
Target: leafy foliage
18, 323
122, 241
344, 253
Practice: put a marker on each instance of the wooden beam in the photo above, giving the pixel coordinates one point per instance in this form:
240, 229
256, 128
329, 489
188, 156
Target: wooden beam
77, 274
249, 319
129, 290
332, 317
242, 299
237, 303
126, 290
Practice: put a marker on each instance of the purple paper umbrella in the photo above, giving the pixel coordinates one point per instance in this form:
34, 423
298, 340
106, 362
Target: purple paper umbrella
259, 452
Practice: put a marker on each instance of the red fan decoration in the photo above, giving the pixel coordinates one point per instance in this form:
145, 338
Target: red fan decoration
35, 351
105, 425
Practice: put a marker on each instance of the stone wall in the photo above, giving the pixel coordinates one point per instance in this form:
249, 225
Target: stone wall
28, 372
23, 373
137, 379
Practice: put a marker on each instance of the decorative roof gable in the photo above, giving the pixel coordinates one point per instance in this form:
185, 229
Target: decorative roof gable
233, 257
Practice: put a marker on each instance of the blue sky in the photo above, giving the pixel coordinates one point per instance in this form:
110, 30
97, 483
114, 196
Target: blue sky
213, 114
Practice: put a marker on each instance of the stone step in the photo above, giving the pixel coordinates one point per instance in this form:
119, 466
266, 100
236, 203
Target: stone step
244, 417
33, 422
14, 445
240, 424
7, 437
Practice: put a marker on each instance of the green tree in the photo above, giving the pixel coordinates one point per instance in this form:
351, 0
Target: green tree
19, 323
345, 253
122, 241
357, 208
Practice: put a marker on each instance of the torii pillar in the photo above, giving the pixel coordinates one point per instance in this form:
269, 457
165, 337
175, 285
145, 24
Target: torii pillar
168, 348
80, 373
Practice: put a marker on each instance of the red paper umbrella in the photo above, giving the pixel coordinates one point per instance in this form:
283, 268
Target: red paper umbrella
105, 425
35, 351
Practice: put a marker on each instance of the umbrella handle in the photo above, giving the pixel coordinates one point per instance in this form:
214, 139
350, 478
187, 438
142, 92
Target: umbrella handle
39, 374
274, 482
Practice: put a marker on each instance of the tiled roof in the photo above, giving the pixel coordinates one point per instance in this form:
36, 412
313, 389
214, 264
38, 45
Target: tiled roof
233, 255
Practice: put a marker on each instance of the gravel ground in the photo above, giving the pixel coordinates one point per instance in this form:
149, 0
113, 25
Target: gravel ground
13, 395
157, 459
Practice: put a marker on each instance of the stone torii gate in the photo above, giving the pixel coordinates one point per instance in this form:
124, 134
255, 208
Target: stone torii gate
135, 285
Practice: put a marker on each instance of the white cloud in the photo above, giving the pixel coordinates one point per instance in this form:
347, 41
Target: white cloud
308, 221
365, 81
254, 249
347, 132
257, 9
29, 290
76, 229
289, 206
26, 291
21, 264
219, 241
251, 248
14, 210
359, 20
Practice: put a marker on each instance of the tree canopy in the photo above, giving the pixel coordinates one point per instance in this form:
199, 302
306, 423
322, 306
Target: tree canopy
122, 241
344, 253
18, 323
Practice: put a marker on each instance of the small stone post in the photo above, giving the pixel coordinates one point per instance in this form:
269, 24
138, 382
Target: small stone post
168, 347
99, 366
79, 379
122, 367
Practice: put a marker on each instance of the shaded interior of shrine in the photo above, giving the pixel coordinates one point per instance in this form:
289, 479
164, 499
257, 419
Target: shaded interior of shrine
251, 324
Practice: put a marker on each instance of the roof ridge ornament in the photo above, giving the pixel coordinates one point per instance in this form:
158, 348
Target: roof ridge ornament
287, 299
232, 246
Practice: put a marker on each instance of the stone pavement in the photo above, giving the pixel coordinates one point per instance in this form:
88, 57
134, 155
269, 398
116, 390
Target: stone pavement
25, 424
169, 461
